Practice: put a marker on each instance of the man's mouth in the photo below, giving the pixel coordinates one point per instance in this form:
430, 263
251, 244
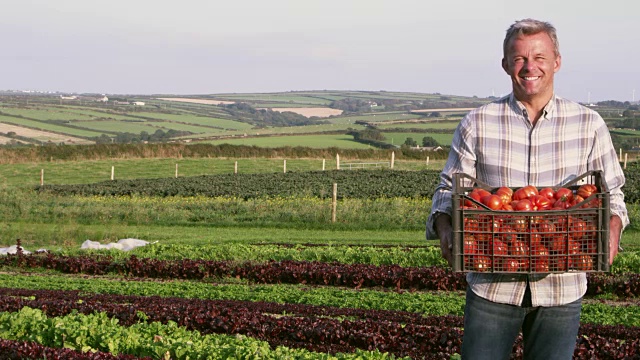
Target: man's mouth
531, 78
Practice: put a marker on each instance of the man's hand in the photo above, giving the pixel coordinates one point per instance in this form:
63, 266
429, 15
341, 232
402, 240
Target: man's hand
445, 233
615, 228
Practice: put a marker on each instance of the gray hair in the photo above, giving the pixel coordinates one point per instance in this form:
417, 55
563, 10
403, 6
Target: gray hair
531, 27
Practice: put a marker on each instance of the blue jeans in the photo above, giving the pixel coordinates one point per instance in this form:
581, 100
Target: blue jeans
490, 329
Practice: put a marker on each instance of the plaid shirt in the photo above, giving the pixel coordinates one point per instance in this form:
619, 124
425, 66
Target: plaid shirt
497, 144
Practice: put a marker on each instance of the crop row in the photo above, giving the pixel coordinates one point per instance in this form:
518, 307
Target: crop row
99, 333
312, 328
352, 184
295, 272
23, 350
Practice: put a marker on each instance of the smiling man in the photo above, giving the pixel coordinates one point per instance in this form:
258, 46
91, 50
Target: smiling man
530, 137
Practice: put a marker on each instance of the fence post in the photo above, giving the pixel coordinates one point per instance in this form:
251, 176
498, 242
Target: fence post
284, 166
323, 161
393, 158
620, 156
235, 167
338, 161
41, 177
625, 160
334, 202
113, 168
427, 161
176, 171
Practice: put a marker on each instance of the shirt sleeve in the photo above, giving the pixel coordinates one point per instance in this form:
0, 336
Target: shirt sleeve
604, 158
461, 159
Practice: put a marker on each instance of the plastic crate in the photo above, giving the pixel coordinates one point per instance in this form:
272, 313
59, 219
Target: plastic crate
549, 241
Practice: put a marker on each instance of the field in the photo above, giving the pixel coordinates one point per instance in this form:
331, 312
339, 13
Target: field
260, 270
245, 259
221, 118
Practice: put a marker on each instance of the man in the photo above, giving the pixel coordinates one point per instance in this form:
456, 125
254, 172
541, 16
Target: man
530, 137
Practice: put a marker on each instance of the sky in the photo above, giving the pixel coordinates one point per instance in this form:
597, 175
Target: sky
196, 47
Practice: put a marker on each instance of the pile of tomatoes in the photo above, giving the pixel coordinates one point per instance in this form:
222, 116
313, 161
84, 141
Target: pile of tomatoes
526, 240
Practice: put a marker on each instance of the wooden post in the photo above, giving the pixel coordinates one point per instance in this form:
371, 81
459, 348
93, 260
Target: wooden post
393, 158
235, 168
41, 177
323, 162
620, 156
176, 171
338, 161
427, 161
334, 202
113, 170
625, 160
284, 166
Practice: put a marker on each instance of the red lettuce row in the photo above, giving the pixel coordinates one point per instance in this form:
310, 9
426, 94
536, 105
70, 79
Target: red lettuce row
305, 326
21, 350
295, 272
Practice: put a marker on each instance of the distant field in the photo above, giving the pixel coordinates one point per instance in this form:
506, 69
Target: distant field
198, 101
198, 120
48, 127
278, 97
313, 141
39, 135
373, 117
438, 125
120, 126
47, 114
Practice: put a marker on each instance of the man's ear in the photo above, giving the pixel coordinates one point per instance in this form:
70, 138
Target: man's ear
557, 64
505, 66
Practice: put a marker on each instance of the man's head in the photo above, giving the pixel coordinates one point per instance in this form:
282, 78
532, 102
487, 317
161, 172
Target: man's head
531, 27
531, 58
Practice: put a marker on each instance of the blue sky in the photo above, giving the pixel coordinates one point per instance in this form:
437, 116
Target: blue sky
204, 47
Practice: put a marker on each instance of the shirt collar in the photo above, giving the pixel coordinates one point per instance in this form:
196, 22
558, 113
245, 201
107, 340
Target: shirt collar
520, 109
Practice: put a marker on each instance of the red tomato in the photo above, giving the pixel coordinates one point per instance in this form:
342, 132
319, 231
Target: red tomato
469, 245
587, 190
500, 248
481, 263
541, 265
541, 202
582, 262
504, 190
539, 250
576, 228
518, 248
564, 193
511, 265
508, 235
548, 193
525, 192
522, 205
493, 202
470, 225
476, 194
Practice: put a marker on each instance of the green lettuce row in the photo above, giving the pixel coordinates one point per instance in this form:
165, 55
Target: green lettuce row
429, 304
373, 255
98, 332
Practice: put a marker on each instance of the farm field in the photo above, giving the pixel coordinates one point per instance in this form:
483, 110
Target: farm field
43, 136
314, 286
258, 264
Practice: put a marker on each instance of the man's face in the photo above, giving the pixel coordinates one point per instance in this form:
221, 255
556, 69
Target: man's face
531, 62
